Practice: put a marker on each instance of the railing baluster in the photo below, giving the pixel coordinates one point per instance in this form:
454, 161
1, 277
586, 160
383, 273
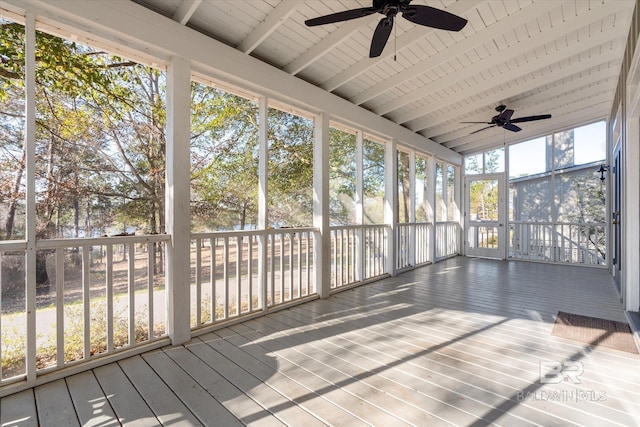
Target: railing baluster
308, 247
198, 282
132, 294
109, 291
86, 301
239, 249
291, 236
250, 272
212, 279
334, 234
273, 268
299, 258
225, 263
150, 276
59, 258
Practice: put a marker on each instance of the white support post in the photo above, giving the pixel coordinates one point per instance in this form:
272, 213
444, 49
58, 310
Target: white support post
412, 208
322, 243
507, 219
177, 200
431, 205
457, 188
631, 213
263, 211
30, 203
360, 262
391, 202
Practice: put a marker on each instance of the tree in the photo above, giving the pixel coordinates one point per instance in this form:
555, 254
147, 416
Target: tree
373, 182
290, 169
224, 159
342, 176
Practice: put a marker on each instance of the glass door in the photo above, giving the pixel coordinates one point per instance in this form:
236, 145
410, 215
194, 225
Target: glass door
484, 216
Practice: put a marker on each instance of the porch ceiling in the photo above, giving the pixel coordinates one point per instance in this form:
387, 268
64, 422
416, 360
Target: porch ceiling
536, 56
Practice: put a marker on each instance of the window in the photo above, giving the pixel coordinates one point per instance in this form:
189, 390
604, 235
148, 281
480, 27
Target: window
422, 203
486, 162
494, 161
12, 153
441, 206
290, 169
224, 160
452, 206
373, 182
590, 143
342, 177
404, 188
474, 164
528, 158
99, 142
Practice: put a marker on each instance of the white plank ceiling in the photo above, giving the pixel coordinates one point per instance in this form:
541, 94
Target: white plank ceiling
536, 56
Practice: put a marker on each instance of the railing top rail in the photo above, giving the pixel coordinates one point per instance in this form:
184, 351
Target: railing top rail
13, 245
244, 233
592, 224
358, 227
413, 223
100, 241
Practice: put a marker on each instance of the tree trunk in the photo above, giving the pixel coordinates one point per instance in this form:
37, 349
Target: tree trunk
13, 204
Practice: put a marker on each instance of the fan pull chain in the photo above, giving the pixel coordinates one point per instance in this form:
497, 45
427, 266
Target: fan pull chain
395, 43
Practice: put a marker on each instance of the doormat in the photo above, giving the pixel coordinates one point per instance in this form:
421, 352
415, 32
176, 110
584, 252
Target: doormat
594, 331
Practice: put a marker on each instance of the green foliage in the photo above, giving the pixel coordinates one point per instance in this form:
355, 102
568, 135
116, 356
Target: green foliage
342, 176
99, 137
373, 182
290, 184
224, 159
13, 341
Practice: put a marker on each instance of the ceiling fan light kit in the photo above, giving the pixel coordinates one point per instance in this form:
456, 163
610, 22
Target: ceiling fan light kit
418, 14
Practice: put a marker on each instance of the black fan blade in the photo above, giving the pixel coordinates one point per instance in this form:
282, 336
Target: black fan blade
380, 36
531, 118
479, 130
434, 18
512, 128
505, 115
346, 15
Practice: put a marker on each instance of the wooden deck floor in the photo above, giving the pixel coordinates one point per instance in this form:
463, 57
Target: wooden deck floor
456, 343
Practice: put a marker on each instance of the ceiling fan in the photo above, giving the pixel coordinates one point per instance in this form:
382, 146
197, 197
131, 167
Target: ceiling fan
418, 14
503, 119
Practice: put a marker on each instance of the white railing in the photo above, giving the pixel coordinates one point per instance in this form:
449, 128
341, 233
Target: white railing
447, 239
566, 243
93, 297
483, 236
229, 279
408, 255
358, 254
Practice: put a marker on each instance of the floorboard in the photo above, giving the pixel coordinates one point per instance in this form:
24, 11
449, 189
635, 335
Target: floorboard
164, 403
465, 342
91, 405
128, 405
54, 405
19, 410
